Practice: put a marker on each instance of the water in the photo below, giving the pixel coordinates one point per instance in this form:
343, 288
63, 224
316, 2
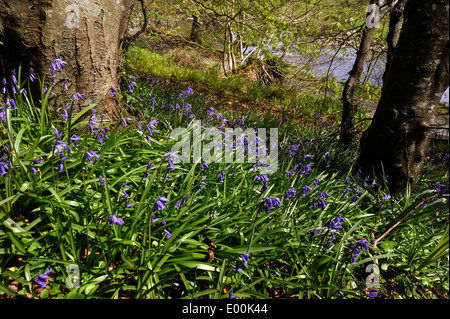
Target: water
341, 65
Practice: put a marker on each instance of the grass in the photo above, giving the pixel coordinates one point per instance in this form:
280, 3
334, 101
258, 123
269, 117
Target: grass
100, 204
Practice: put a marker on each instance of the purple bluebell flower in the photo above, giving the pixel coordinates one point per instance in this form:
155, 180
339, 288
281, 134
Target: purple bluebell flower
3, 168
204, 166
314, 231
92, 156
78, 96
113, 91
202, 183
232, 296
124, 121
183, 201
167, 234
151, 125
291, 192
372, 294
245, 258
57, 64
75, 139
306, 190
271, 203
42, 278
113, 219
358, 247
12, 103
13, 76
262, 178
102, 180
159, 204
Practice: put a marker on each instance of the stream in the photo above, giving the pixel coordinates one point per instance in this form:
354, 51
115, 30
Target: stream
341, 65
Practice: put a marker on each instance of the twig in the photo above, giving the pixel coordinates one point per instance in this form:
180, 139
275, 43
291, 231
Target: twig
375, 242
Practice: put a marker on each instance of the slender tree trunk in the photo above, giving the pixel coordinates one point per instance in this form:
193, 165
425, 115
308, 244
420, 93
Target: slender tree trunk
196, 31
347, 128
395, 25
86, 34
399, 135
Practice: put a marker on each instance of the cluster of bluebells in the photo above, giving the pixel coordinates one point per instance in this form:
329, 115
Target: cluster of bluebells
334, 225
320, 202
5, 162
271, 203
304, 167
150, 126
358, 247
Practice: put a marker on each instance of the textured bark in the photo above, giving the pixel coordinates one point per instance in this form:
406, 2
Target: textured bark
347, 128
418, 76
87, 34
395, 25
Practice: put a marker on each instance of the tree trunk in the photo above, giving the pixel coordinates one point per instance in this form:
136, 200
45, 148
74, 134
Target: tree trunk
400, 132
196, 31
347, 129
395, 25
87, 34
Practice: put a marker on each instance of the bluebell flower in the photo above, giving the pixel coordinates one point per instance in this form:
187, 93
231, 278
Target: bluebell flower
372, 294
262, 178
358, 247
291, 192
124, 121
183, 201
167, 234
77, 96
159, 204
202, 183
245, 258
11, 103
306, 190
75, 139
92, 156
113, 92
204, 166
271, 203
3, 168
314, 231
232, 296
113, 219
102, 180
57, 64
42, 278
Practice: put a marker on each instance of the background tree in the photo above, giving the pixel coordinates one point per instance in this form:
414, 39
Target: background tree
378, 11
86, 34
400, 132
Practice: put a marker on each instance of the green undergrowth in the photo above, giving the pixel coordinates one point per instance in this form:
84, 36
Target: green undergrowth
95, 208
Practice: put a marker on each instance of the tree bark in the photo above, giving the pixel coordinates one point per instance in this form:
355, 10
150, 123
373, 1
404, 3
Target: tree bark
395, 25
196, 31
400, 132
347, 128
87, 34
